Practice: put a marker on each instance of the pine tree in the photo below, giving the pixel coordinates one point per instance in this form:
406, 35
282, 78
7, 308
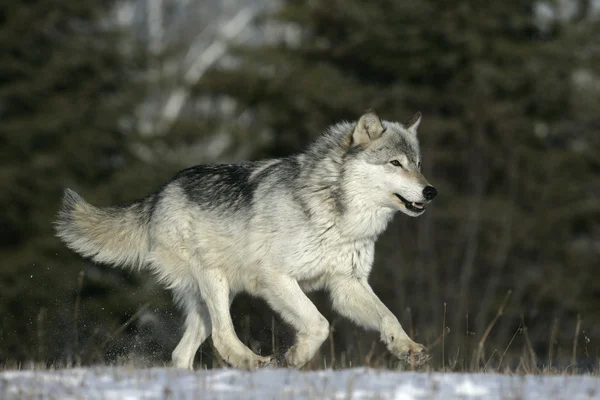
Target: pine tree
66, 96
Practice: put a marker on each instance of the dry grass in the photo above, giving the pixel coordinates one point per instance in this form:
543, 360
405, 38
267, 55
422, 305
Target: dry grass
481, 358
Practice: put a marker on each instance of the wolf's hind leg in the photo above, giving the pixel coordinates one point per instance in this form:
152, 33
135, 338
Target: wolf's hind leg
216, 294
285, 296
197, 328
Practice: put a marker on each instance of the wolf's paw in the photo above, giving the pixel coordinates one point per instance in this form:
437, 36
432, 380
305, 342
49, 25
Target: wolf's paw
250, 362
261, 362
293, 358
413, 353
268, 361
298, 356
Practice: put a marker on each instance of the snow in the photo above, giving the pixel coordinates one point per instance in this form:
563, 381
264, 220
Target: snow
468, 389
168, 383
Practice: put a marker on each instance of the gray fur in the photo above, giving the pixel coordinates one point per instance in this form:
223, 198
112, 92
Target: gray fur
274, 228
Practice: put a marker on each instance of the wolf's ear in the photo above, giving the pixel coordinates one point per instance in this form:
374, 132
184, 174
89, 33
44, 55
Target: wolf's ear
367, 129
412, 124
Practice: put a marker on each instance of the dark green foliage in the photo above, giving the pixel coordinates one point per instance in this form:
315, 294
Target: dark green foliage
65, 91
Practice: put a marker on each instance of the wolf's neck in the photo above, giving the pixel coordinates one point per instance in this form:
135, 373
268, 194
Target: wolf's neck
360, 211
365, 224
360, 218
349, 200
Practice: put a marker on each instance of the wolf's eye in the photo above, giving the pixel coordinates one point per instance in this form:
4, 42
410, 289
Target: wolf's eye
395, 163
419, 165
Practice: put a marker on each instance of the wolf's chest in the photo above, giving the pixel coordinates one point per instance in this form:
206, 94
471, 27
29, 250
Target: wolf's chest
322, 259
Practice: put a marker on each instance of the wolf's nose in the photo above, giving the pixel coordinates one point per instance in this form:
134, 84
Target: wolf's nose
429, 192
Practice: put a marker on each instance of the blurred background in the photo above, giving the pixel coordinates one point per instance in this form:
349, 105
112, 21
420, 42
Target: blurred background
111, 98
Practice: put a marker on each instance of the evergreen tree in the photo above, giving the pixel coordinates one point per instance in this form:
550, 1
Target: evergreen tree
66, 97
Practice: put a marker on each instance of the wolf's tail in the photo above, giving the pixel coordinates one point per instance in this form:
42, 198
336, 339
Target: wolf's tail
112, 235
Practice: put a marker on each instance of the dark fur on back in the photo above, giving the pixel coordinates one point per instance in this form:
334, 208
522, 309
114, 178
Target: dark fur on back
233, 185
217, 186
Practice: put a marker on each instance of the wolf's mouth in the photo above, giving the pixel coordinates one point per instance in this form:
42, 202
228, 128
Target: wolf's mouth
411, 205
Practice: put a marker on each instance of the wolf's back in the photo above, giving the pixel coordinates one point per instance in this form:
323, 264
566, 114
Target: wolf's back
112, 235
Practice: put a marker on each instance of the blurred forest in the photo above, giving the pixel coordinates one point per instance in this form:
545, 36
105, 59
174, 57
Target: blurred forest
112, 98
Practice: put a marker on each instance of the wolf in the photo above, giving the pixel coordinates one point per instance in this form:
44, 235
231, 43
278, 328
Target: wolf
276, 229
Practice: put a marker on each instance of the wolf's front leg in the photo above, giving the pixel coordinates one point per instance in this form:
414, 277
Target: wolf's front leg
354, 298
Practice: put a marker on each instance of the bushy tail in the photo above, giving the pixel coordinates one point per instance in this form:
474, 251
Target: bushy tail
112, 235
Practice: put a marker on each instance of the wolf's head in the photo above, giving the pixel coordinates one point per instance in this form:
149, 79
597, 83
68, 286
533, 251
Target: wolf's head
387, 160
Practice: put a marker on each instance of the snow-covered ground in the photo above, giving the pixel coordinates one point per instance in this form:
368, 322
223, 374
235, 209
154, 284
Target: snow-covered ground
166, 383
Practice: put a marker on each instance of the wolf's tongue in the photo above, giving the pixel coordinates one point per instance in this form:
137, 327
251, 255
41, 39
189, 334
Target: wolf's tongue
417, 205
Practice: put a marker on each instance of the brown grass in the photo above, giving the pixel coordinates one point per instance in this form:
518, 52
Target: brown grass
484, 358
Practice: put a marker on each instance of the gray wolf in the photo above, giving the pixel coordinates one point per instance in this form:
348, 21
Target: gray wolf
276, 229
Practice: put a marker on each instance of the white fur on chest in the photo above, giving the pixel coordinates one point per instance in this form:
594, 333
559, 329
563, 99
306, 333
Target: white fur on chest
352, 260
312, 258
